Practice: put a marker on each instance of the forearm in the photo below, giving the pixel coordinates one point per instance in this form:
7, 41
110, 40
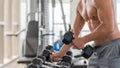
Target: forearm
64, 49
98, 33
76, 30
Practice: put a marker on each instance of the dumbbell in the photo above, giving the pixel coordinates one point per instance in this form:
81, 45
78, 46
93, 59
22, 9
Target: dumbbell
32, 66
66, 60
67, 39
68, 36
47, 52
39, 60
86, 52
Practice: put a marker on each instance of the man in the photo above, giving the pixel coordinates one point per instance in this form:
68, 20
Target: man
99, 14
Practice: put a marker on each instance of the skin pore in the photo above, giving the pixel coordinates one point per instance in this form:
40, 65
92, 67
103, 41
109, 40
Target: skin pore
99, 14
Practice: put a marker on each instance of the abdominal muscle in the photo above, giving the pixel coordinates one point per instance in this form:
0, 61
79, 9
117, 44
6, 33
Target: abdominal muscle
93, 24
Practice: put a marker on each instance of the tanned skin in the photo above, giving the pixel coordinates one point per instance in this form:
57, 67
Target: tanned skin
99, 14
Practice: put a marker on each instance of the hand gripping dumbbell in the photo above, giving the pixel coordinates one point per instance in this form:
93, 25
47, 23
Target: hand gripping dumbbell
66, 60
47, 52
67, 39
68, 36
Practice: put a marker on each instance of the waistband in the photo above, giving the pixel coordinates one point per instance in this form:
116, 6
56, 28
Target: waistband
106, 43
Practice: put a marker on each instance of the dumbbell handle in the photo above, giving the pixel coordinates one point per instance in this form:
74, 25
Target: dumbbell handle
77, 56
87, 52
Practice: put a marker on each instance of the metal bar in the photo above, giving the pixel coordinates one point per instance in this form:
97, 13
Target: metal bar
16, 34
33, 12
53, 6
63, 14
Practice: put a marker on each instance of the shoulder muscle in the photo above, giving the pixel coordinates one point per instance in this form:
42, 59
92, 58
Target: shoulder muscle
102, 3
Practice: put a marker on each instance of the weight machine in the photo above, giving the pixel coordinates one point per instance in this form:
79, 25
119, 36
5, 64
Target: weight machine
34, 51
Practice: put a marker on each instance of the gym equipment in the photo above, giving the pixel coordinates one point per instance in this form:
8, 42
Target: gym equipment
39, 60
43, 60
68, 36
47, 52
33, 66
66, 60
63, 14
86, 52
16, 34
31, 42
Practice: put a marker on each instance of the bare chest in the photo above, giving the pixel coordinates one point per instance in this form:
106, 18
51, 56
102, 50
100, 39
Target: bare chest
87, 10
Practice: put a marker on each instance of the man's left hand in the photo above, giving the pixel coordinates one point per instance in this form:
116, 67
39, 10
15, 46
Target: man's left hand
79, 43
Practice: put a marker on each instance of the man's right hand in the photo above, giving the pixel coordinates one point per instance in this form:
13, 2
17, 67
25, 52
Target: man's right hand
55, 57
58, 55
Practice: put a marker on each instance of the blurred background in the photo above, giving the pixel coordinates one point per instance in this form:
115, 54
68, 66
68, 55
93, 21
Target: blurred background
53, 16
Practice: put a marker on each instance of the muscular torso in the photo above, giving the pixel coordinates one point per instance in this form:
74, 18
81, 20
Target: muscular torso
88, 12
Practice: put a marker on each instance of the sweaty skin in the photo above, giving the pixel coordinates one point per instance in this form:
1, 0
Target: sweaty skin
99, 14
